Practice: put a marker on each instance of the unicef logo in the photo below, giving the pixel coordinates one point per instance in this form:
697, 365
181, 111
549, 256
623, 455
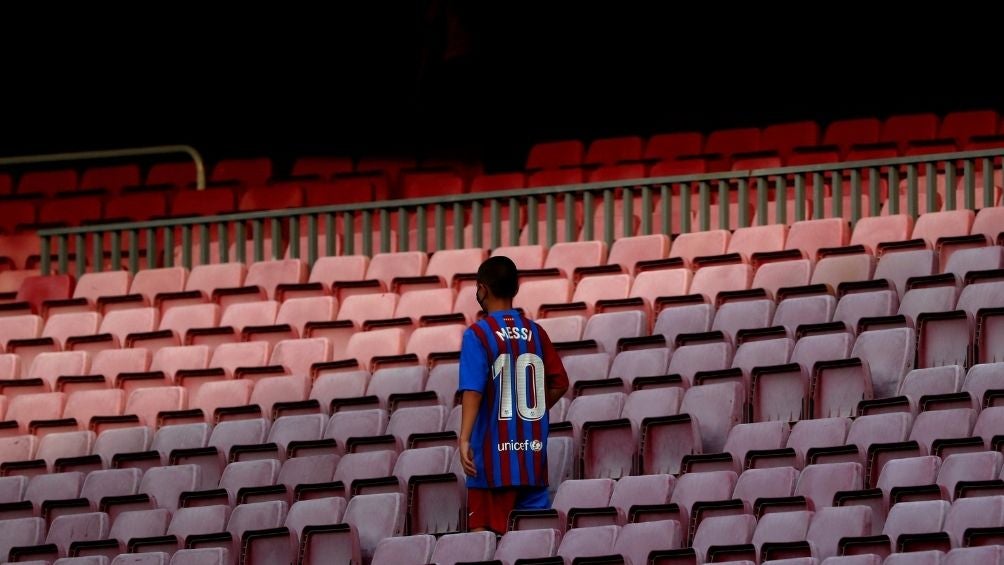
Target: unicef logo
536, 445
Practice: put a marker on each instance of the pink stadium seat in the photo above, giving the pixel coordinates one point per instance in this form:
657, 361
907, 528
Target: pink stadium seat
776, 275
804, 310
534, 293
435, 339
364, 346
673, 145
731, 141
783, 138
712, 280
385, 267
903, 129
688, 246
526, 257
423, 185
834, 270
47, 182
810, 236
25, 408
845, 132
990, 223
211, 201
613, 150
59, 327
565, 328
146, 403
853, 307
627, 251
50, 366
899, 267
20, 327
250, 172
555, 154
759, 239
180, 175
932, 226
962, 126
324, 167
498, 182
743, 314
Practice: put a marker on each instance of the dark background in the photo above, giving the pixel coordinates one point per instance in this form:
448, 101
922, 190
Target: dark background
473, 79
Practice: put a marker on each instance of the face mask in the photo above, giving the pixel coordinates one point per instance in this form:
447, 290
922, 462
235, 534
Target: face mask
481, 299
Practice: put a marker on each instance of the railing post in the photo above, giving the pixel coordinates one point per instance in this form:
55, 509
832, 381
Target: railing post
422, 236
608, 217
781, 199
294, 238
628, 198
116, 244
477, 223
514, 207
724, 199
259, 242
440, 219
646, 210
367, 228
385, 231
761, 201
62, 244
531, 220
133, 252
168, 247
587, 216
348, 226
799, 198
686, 198
570, 222
458, 226
855, 196
989, 192
893, 175
81, 255
44, 261
744, 202
704, 212
276, 239
912, 192
402, 229
838, 195
969, 182
312, 240
203, 244
552, 219
240, 243
97, 256
496, 224
223, 230
151, 248
950, 203
818, 198
186, 246
873, 191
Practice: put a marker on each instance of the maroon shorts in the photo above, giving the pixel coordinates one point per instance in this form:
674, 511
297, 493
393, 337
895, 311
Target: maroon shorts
490, 508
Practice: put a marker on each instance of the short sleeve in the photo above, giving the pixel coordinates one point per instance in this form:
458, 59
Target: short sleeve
473, 363
553, 367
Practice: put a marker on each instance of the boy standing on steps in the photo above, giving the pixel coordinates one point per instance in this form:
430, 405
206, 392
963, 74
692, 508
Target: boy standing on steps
510, 376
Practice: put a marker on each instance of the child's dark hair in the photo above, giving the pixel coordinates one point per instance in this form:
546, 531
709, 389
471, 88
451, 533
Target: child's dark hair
500, 276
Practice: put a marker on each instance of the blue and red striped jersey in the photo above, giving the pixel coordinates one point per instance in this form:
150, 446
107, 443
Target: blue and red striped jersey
509, 360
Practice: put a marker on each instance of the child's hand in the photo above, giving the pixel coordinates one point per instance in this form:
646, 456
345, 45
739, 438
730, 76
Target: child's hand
467, 459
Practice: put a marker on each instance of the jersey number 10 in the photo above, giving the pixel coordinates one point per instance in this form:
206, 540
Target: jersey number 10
504, 373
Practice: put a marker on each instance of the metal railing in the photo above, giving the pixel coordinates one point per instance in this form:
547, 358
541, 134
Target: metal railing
200, 169
679, 204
